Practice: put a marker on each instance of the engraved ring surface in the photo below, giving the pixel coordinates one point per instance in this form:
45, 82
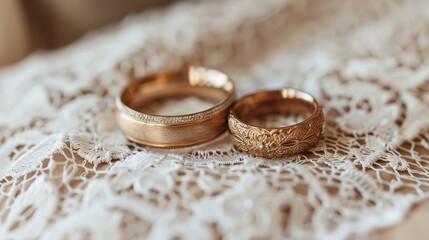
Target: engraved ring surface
275, 142
172, 131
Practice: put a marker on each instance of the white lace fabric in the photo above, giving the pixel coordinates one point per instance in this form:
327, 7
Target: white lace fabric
68, 173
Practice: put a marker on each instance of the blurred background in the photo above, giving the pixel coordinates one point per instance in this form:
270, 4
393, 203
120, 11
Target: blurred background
26, 26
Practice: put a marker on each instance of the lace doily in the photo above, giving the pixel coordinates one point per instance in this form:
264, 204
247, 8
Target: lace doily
67, 172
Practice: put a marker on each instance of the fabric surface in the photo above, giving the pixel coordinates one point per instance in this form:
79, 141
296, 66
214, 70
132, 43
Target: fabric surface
67, 172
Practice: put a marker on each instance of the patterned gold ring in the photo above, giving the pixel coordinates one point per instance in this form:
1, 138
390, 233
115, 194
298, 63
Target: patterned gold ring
171, 131
275, 142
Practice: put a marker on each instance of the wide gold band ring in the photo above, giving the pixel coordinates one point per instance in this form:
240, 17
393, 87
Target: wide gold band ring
172, 131
275, 142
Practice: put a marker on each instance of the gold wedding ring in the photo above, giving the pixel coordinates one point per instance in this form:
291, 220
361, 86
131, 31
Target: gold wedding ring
171, 131
275, 142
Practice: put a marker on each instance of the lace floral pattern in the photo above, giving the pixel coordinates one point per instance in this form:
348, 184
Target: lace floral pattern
67, 171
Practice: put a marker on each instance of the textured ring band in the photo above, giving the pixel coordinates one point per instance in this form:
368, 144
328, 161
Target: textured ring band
172, 131
280, 141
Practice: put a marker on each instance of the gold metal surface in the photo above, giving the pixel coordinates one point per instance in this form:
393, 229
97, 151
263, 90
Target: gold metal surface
171, 131
279, 141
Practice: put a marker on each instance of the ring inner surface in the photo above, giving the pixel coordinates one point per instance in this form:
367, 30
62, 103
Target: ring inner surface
274, 110
177, 93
